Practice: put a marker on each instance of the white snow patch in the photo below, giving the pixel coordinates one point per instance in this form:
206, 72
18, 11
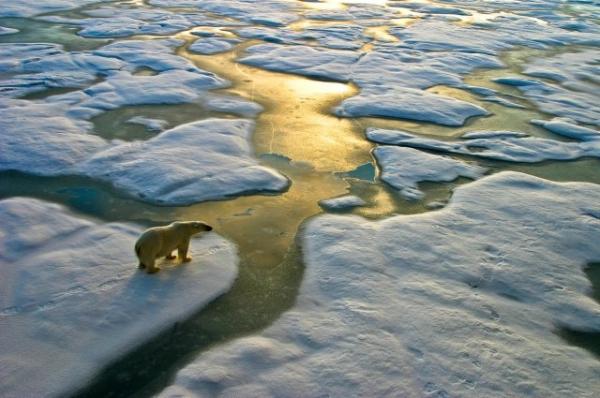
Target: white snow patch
404, 168
72, 299
463, 301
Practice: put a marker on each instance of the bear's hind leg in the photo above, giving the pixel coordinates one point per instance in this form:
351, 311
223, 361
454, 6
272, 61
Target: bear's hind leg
170, 256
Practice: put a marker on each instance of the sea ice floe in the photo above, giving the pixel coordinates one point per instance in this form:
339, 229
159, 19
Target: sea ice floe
557, 100
497, 145
199, 161
360, 14
71, 295
500, 33
122, 88
572, 91
268, 12
302, 60
7, 31
340, 203
40, 138
212, 45
231, 104
342, 37
204, 160
398, 95
39, 66
153, 54
29, 8
464, 301
116, 22
408, 103
567, 128
404, 168
155, 125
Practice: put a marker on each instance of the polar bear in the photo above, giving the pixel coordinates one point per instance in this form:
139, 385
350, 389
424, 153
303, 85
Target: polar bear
162, 241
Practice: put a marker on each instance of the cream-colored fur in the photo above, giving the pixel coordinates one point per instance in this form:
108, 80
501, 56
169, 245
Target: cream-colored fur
162, 241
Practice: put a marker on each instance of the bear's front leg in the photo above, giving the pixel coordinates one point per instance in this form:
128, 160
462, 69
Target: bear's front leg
151, 267
182, 251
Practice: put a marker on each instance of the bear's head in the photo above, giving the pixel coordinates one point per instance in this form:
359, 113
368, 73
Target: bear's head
199, 226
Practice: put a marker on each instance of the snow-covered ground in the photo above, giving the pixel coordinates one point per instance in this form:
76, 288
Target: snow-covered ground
464, 301
72, 298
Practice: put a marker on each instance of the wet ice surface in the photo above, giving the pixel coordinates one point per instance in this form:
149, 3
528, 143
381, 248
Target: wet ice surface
467, 309
72, 299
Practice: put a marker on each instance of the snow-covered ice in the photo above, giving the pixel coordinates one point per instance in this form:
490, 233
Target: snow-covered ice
399, 95
204, 160
404, 168
72, 299
268, 12
212, 45
573, 88
7, 31
29, 8
340, 203
499, 145
567, 128
408, 103
32, 67
464, 301
302, 60
40, 138
118, 22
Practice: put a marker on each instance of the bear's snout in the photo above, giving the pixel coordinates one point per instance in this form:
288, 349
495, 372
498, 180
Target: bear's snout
209, 228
